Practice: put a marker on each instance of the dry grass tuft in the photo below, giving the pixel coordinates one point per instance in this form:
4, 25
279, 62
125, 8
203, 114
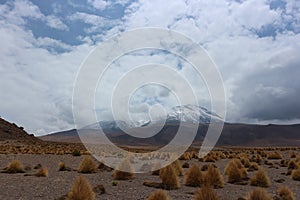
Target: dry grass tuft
274, 155
81, 190
87, 165
169, 177
296, 174
205, 193
260, 179
159, 195
193, 177
15, 167
253, 167
213, 177
61, 166
233, 172
43, 172
118, 174
258, 194
284, 193
178, 169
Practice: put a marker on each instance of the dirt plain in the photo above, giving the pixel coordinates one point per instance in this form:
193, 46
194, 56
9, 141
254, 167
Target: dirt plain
58, 183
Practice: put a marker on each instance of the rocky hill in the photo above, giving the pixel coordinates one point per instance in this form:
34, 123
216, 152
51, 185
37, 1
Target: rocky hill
10, 131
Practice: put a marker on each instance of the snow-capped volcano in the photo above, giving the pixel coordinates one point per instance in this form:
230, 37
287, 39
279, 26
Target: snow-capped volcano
192, 114
184, 114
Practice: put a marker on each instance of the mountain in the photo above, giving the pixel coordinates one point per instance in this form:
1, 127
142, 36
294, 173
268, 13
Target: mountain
10, 131
190, 116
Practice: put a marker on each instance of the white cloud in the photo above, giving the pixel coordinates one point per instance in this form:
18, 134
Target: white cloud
54, 22
99, 4
22, 10
38, 84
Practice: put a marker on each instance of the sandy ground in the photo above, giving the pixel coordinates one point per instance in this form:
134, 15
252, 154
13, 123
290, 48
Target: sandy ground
18, 186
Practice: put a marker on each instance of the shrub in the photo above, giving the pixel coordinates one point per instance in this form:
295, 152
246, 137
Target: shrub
213, 177
114, 183
205, 193
178, 168
233, 172
169, 177
76, 153
120, 173
284, 193
296, 174
292, 165
15, 167
253, 167
43, 172
159, 195
87, 166
260, 179
61, 166
233, 163
246, 162
193, 177
155, 168
274, 155
81, 190
258, 194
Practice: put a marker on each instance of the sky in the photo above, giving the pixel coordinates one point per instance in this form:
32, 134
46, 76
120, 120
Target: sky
254, 43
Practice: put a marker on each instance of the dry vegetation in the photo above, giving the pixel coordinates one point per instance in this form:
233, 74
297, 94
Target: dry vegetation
15, 167
87, 165
223, 174
124, 171
258, 194
260, 179
159, 195
169, 177
81, 190
205, 193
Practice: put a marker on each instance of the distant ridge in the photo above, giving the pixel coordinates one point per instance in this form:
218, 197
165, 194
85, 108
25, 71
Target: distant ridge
10, 131
248, 135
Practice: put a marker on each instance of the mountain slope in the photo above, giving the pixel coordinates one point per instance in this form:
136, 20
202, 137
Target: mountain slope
10, 131
232, 135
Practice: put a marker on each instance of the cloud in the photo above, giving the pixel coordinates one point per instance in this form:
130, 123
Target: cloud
97, 22
254, 44
99, 4
54, 22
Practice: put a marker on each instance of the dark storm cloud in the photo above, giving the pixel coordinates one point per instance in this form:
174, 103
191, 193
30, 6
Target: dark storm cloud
270, 94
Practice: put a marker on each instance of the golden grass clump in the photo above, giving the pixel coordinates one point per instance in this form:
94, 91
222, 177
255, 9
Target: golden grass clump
233, 172
61, 166
81, 190
205, 193
246, 162
193, 177
123, 171
159, 195
15, 167
274, 155
260, 179
213, 177
293, 165
87, 165
296, 174
169, 177
178, 169
43, 172
258, 194
284, 193
253, 167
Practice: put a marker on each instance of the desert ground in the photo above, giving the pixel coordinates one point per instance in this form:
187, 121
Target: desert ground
57, 184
